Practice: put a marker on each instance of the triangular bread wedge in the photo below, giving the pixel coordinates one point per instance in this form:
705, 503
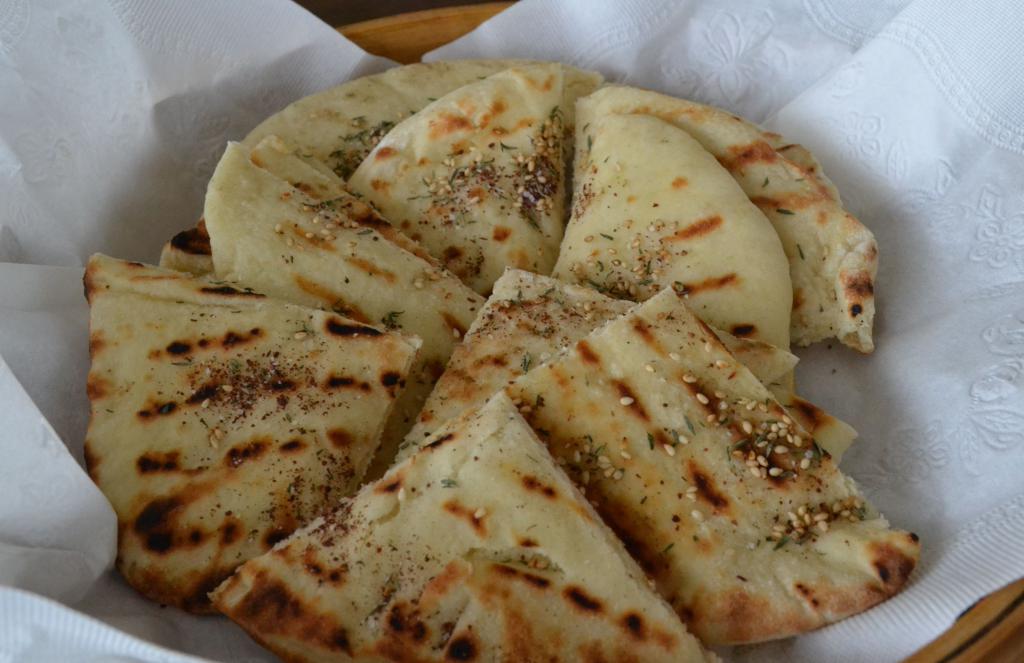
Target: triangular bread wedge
748, 528
334, 254
529, 319
340, 126
222, 420
665, 214
833, 258
478, 548
478, 176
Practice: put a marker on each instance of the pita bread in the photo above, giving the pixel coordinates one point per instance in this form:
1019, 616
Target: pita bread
526, 321
668, 214
222, 420
478, 548
833, 258
668, 457
335, 254
341, 125
189, 251
477, 176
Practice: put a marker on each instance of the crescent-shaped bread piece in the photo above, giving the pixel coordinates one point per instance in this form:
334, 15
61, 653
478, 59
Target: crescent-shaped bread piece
667, 214
478, 176
340, 126
335, 254
478, 548
747, 527
833, 258
529, 319
222, 420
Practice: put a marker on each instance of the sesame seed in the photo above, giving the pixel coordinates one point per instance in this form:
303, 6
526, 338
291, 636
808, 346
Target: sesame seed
801, 511
205, 403
697, 515
618, 475
418, 283
625, 454
675, 357
702, 398
748, 428
779, 449
648, 368
278, 228
609, 472
626, 400
710, 418
719, 394
762, 461
299, 336
688, 379
479, 513
721, 363
227, 388
755, 471
775, 471
401, 493
722, 405
692, 490
823, 526
821, 516
787, 420
669, 450
707, 347
289, 242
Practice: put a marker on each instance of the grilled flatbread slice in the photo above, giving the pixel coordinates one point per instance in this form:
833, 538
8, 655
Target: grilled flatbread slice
222, 420
833, 258
338, 255
477, 177
189, 251
529, 319
341, 125
668, 214
478, 548
748, 528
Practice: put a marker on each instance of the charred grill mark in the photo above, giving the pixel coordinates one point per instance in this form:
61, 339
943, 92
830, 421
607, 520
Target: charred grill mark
384, 153
242, 453
856, 310
338, 327
743, 331
461, 648
391, 380
533, 484
474, 518
346, 382
679, 182
741, 156
446, 124
706, 489
154, 523
96, 387
441, 440
155, 461
633, 623
390, 487
629, 399
892, 565
178, 348
161, 409
228, 290
232, 338
711, 283
582, 600
697, 229
527, 542
292, 446
331, 300
275, 536
587, 353
454, 325
340, 438
207, 391
511, 572
371, 269
859, 284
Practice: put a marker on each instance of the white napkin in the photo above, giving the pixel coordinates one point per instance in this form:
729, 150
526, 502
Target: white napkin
113, 118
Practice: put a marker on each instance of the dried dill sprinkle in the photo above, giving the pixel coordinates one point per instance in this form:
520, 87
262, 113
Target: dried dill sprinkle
449, 483
390, 320
780, 210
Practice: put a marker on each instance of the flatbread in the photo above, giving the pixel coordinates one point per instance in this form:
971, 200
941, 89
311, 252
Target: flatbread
529, 319
478, 176
833, 258
340, 126
222, 420
478, 548
668, 214
338, 255
188, 251
668, 457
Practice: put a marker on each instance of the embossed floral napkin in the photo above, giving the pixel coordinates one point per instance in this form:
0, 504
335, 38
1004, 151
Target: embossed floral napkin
113, 116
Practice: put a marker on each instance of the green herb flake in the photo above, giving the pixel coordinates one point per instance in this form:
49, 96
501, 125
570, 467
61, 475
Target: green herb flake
607, 236
668, 548
689, 424
765, 183
801, 250
783, 541
782, 210
650, 441
390, 320
448, 483
527, 362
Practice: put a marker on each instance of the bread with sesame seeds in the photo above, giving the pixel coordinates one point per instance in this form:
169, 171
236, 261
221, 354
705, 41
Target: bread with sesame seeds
833, 257
747, 527
337, 254
526, 321
478, 176
477, 548
221, 420
668, 214
339, 126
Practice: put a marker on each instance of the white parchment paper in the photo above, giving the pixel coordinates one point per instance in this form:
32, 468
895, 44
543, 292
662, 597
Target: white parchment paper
113, 114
